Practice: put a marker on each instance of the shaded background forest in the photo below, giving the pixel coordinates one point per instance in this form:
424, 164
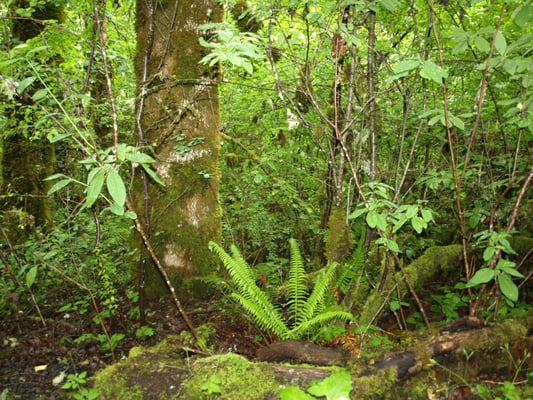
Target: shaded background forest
398, 126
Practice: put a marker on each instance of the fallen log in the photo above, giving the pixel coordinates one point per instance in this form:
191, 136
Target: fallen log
166, 371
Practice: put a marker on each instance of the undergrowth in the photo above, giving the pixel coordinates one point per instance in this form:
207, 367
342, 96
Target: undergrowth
304, 309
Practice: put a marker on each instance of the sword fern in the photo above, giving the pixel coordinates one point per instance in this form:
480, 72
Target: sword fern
305, 310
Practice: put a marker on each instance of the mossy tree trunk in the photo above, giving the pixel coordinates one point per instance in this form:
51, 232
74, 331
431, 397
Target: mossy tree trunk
178, 116
27, 157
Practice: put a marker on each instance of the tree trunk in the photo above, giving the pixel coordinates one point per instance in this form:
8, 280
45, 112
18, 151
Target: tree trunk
27, 156
178, 116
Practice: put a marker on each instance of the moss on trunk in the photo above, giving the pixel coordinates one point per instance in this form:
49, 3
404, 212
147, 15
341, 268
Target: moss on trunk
180, 120
27, 158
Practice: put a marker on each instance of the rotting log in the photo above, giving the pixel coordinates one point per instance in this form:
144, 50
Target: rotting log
436, 261
167, 372
449, 345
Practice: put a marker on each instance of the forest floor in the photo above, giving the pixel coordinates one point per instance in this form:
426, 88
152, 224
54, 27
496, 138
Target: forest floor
33, 357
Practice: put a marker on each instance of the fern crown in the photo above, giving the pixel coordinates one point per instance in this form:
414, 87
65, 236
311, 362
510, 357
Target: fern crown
305, 310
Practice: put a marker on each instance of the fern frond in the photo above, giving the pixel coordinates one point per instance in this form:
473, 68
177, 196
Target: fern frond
239, 259
256, 302
265, 315
315, 302
354, 266
319, 319
296, 285
237, 267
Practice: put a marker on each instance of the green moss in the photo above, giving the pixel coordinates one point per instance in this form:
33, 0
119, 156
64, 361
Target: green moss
157, 373
111, 385
435, 262
339, 238
380, 385
240, 379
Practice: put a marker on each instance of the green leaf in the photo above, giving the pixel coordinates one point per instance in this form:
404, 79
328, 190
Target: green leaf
382, 222
427, 215
116, 209
505, 264
398, 224
483, 275
57, 138
294, 393
95, 182
138, 157
435, 119
59, 185
411, 211
394, 305
375, 219
418, 224
523, 15
488, 253
130, 215
372, 219
482, 44
508, 267
507, 287
500, 44
390, 5
357, 213
115, 187
512, 272
23, 84
30, 276
153, 174
212, 385
337, 386
39, 94
403, 68
432, 71
456, 121
393, 246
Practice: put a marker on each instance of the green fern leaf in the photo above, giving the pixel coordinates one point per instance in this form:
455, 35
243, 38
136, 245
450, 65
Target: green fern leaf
353, 267
315, 302
306, 313
255, 302
265, 316
236, 266
319, 319
296, 285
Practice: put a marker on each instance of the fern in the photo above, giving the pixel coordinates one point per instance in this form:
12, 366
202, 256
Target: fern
300, 330
249, 295
296, 285
349, 271
305, 312
315, 302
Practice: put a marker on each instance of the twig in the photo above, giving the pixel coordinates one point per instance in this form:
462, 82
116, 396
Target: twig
412, 290
161, 269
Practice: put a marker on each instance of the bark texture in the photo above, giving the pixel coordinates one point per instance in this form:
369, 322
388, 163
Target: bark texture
178, 115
